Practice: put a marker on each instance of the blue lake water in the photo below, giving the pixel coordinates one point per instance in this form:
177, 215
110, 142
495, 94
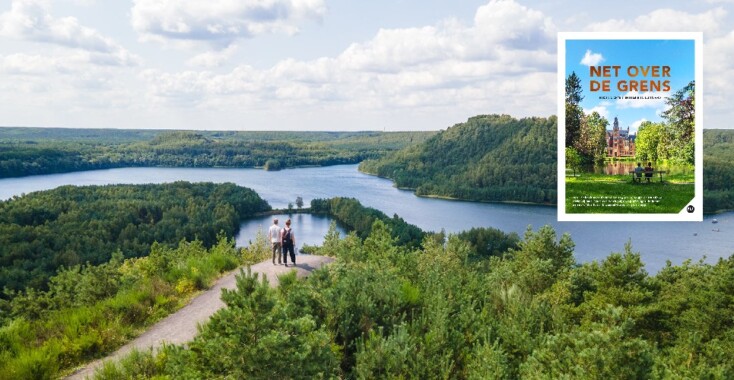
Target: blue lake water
657, 242
308, 229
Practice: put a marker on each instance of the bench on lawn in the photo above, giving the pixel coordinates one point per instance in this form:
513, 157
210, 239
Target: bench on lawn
645, 174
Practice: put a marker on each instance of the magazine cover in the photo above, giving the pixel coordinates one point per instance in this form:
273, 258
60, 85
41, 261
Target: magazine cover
630, 127
311, 189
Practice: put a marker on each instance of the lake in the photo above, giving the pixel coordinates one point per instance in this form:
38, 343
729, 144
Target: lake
308, 229
657, 242
624, 167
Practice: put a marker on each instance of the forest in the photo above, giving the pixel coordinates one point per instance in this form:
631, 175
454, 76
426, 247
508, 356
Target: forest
355, 217
382, 310
32, 151
718, 170
398, 302
499, 158
44, 231
487, 158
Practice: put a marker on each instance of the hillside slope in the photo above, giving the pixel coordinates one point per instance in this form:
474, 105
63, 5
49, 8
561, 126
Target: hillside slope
488, 158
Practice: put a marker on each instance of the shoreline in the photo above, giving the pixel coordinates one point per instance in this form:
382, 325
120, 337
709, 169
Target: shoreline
450, 198
111, 167
281, 211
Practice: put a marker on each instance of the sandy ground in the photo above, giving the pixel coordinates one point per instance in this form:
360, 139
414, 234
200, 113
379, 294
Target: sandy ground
181, 326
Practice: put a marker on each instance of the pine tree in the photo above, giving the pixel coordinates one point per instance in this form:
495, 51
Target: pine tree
574, 113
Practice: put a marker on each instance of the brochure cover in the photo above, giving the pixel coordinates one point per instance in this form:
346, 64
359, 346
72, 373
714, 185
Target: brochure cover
630, 127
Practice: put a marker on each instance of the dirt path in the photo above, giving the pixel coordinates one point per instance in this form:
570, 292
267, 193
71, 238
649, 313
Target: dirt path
181, 326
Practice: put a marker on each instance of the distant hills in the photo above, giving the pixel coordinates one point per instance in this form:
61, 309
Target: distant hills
498, 158
487, 158
33, 151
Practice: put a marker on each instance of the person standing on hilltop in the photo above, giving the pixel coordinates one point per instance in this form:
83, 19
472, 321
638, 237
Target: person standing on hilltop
275, 239
288, 239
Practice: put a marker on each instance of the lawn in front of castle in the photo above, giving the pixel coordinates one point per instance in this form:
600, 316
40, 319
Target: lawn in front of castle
590, 193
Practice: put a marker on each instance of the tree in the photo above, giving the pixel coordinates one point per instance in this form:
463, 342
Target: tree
573, 160
591, 141
574, 113
681, 123
649, 144
272, 165
299, 202
573, 89
290, 207
487, 242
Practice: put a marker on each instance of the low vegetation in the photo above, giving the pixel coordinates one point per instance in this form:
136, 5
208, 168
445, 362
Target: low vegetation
90, 310
382, 310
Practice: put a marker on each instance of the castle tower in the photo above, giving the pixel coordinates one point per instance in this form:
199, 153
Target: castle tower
616, 124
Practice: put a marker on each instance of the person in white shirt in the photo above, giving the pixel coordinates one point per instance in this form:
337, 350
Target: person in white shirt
275, 239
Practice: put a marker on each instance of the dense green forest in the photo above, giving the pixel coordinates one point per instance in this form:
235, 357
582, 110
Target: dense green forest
384, 311
718, 169
498, 158
355, 217
87, 310
484, 302
487, 158
29, 151
43, 231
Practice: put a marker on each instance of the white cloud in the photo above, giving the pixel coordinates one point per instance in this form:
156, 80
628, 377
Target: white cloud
600, 109
26, 64
393, 50
30, 20
211, 59
220, 22
40, 65
718, 74
635, 126
666, 20
510, 24
431, 67
591, 59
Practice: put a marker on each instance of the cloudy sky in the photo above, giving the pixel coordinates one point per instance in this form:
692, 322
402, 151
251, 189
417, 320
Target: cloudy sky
643, 57
315, 64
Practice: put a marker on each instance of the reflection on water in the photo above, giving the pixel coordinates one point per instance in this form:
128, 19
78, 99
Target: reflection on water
624, 167
308, 229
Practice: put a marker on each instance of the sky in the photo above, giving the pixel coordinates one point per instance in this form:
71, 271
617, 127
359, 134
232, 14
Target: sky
645, 60
315, 64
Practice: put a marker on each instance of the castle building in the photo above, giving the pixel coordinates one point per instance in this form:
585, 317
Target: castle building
620, 143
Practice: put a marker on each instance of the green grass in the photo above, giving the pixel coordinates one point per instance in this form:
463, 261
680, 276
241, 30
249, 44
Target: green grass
52, 344
670, 196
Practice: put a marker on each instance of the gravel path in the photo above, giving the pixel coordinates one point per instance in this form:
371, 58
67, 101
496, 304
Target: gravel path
181, 326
